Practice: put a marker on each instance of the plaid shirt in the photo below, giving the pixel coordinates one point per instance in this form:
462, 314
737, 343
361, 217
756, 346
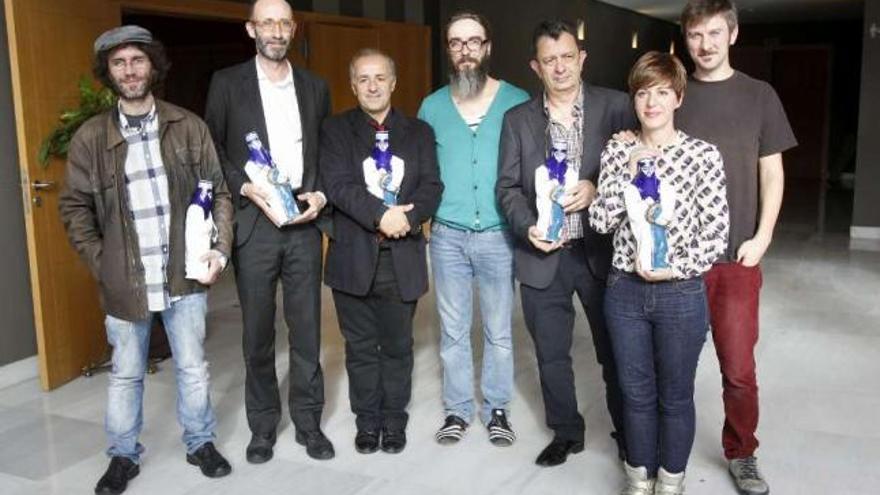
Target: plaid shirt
149, 207
573, 135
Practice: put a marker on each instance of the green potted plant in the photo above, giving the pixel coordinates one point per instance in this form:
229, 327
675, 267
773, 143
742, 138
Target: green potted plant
92, 101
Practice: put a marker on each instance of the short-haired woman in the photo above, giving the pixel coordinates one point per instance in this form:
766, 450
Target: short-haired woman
655, 302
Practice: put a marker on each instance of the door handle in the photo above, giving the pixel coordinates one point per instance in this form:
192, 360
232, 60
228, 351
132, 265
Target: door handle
40, 185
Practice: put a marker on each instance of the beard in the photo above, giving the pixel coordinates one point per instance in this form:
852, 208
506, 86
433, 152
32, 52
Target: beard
273, 52
125, 91
468, 82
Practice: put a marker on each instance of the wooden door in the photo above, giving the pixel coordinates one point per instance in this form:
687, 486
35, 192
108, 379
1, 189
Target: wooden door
50, 49
410, 47
329, 50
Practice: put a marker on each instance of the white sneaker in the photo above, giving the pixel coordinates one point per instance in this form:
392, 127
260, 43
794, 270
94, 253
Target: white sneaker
747, 477
637, 482
668, 483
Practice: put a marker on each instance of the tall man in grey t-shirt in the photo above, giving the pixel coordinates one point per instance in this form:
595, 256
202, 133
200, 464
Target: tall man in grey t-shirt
745, 119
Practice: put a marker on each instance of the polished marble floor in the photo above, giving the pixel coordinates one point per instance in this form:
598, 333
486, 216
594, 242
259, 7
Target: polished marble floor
819, 372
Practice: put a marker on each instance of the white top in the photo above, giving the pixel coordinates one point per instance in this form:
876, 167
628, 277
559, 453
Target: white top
697, 233
281, 111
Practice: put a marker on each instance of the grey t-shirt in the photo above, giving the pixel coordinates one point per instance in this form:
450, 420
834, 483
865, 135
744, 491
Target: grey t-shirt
744, 118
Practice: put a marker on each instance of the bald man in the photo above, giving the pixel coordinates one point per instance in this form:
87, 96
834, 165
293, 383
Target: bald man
284, 105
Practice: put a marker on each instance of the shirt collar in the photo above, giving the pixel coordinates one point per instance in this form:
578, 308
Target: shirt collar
123, 120
578, 103
284, 83
386, 125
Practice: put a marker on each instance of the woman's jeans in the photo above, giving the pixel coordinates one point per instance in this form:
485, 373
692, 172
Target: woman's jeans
657, 331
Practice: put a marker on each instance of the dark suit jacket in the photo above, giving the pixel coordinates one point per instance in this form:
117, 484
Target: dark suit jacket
346, 140
235, 108
523, 150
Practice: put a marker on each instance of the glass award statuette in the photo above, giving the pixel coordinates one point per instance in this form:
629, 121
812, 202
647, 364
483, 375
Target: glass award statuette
200, 231
383, 171
551, 180
261, 170
649, 206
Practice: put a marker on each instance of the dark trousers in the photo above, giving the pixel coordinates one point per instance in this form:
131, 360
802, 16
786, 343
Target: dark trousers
657, 331
733, 291
292, 255
378, 350
549, 315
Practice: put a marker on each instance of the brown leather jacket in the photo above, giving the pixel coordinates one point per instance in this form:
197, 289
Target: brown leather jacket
94, 204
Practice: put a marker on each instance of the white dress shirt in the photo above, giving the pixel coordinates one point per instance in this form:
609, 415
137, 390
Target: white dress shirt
281, 111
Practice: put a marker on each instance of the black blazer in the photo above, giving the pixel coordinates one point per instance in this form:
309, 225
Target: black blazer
346, 140
523, 150
235, 108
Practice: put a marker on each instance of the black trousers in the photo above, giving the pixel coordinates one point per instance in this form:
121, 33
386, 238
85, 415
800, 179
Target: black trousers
293, 256
549, 315
378, 350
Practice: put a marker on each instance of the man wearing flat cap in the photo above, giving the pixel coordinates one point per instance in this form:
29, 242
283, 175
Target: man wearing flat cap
131, 172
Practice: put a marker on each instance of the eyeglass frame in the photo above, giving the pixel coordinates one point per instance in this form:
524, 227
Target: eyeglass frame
466, 43
268, 25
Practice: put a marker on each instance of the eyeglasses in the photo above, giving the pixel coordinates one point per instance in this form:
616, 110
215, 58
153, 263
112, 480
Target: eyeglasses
473, 44
265, 25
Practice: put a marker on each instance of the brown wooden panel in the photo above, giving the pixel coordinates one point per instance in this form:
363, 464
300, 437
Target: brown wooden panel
330, 48
410, 47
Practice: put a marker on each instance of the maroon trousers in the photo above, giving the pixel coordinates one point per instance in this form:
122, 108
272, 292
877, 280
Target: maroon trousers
733, 290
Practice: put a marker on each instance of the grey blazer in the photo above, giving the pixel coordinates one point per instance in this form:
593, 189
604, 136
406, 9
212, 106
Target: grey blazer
523, 150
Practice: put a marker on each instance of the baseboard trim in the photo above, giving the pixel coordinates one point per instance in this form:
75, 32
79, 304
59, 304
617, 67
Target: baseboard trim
19, 371
867, 233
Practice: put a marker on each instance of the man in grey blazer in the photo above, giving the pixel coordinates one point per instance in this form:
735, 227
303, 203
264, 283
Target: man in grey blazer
285, 106
581, 118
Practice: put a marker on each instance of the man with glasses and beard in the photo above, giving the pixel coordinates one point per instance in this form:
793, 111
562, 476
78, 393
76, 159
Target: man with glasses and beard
284, 105
131, 172
470, 241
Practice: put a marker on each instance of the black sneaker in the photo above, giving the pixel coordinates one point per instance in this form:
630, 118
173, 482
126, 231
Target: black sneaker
452, 431
500, 431
317, 445
212, 464
117, 476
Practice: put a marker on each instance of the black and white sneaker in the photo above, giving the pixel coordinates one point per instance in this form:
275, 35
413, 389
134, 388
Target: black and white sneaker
500, 431
452, 431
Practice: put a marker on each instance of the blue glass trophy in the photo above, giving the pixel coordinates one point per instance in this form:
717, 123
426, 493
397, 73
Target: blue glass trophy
262, 170
649, 205
200, 231
383, 171
551, 180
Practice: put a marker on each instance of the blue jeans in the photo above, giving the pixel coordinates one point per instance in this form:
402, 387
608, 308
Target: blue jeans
657, 332
458, 259
185, 326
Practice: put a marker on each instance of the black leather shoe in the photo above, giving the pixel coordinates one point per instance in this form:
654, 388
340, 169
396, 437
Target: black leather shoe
557, 452
366, 441
212, 464
317, 445
259, 450
117, 476
393, 441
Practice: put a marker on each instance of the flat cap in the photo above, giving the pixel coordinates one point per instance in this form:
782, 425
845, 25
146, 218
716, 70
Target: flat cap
121, 35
